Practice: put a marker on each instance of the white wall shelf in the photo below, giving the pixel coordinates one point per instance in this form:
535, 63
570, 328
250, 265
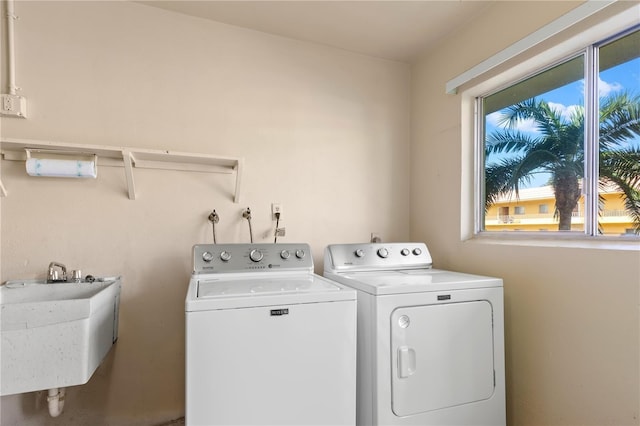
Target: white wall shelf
129, 158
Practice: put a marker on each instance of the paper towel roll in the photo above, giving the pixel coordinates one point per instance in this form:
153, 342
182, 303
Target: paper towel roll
61, 168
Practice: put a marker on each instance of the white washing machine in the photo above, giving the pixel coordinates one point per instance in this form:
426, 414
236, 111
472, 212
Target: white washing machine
430, 342
268, 342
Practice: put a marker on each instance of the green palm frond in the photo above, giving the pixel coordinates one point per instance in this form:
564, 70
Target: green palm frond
619, 119
622, 169
546, 119
498, 180
529, 163
508, 141
631, 200
623, 164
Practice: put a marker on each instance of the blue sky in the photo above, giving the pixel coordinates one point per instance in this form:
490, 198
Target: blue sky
565, 99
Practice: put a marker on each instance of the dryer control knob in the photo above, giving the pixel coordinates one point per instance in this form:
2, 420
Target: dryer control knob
300, 253
225, 256
383, 252
285, 254
417, 251
359, 253
207, 256
405, 252
256, 255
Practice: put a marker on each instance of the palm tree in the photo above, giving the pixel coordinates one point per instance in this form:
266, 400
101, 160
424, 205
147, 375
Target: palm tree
558, 150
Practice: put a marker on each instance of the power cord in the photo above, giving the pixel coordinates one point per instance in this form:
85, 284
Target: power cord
275, 238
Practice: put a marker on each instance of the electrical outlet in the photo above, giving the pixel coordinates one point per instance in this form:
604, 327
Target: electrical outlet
276, 208
13, 106
375, 238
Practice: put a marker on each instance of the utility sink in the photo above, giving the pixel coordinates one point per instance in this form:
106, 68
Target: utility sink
55, 335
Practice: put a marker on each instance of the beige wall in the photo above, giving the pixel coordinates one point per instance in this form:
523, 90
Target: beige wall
323, 131
572, 324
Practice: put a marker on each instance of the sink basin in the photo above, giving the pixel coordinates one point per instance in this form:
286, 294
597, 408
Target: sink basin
55, 335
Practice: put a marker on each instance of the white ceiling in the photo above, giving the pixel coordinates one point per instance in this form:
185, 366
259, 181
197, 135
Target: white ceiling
392, 29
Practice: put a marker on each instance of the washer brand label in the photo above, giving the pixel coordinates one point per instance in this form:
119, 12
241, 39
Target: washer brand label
279, 312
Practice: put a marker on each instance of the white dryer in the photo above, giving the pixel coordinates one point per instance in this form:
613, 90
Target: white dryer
430, 342
268, 342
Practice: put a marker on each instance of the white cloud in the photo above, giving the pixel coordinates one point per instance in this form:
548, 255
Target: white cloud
528, 125
604, 88
566, 112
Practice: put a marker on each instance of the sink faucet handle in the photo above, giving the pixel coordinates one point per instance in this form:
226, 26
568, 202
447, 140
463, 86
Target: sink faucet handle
52, 274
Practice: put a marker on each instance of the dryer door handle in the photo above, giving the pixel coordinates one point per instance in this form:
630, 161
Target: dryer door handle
406, 362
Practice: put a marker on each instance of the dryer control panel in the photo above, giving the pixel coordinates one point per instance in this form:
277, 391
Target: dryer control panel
225, 258
376, 256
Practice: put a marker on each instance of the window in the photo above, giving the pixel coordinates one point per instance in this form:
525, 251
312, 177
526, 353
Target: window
568, 137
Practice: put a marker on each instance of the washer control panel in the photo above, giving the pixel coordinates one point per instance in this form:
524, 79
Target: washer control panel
376, 256
224, 258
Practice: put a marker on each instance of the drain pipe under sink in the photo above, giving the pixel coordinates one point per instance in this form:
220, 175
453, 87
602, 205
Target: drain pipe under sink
56, 401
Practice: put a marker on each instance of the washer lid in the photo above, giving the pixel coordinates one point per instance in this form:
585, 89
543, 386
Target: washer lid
282, 285
413, 281
229, 292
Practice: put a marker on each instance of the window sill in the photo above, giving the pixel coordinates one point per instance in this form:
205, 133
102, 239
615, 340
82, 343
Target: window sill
631, 243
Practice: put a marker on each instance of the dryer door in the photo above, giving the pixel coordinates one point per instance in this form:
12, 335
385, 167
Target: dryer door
442, 356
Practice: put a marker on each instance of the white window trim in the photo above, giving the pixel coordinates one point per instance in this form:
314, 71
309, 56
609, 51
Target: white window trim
471, 167
578, 14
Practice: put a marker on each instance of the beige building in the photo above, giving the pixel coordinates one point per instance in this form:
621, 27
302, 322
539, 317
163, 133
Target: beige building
534, 210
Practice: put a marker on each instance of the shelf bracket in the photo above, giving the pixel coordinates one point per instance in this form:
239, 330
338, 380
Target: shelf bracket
3, 191
238, 169
127, 158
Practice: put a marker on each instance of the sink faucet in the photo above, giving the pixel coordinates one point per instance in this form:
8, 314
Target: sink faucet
52, 274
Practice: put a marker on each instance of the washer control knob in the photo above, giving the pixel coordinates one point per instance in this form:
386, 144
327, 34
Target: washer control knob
207, 256
383, 252
256, 255
300, 253
405, 252
417, 251
225, 256
359, 253
285, 254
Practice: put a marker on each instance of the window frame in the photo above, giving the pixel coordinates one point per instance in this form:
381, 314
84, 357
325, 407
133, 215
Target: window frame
561, 48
